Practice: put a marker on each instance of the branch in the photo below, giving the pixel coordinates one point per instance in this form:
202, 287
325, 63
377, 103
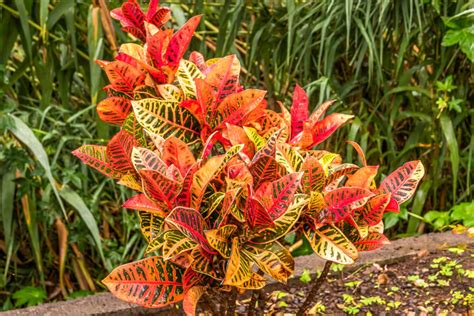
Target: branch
310, 298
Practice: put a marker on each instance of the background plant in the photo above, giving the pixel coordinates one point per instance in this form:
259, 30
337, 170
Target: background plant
385, 66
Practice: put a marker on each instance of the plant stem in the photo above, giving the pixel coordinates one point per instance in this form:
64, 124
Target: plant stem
315, 289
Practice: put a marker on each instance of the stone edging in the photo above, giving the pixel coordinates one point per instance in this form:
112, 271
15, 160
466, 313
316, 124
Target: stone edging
106, 304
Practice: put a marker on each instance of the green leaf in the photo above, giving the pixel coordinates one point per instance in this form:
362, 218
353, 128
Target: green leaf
27, 137
76, 202
450, 137
29, 296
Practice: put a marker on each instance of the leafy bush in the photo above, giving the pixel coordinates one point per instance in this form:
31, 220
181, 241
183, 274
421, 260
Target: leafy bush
221, 178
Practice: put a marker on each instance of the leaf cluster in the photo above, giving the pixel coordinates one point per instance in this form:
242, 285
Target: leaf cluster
220, 178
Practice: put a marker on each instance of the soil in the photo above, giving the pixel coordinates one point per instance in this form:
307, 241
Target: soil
439, 282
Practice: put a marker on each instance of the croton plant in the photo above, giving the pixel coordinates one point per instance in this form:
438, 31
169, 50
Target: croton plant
220, 179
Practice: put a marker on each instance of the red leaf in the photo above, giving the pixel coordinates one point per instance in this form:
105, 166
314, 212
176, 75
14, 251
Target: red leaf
402, 182
191, 223
236, 107
314, 177
299, 110
277, 196
320, 111
151, 282
140, 202
340, 202
198, 59
374, 209
159, 187
157, 17
180, 41
324, 128
114, 110
224, 78
124, 77
363, 177
119, 151
371, 242
96, 157
156, 47
176, 152
256, 214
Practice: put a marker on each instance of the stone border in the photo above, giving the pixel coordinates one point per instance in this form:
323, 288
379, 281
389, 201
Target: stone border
106, 304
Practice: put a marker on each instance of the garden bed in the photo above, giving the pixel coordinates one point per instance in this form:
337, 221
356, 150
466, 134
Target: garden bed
409, 275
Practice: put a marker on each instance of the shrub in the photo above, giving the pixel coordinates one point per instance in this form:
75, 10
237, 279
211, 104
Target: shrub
221, 179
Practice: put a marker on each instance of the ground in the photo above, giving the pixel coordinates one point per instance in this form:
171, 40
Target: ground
439, 282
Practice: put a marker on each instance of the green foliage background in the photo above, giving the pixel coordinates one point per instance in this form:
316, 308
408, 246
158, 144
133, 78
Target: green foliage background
404, 68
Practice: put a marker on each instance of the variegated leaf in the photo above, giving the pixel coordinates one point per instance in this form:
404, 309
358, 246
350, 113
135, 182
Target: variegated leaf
299, 110
185, 75
340, 202
219, 239
191, 223
287, 156
177, 152
255, 282
151, 224
329, 243
362, 178
123, 77
133, 128
320, 111
95, 156
175, 243
201, 263
140, 202
130, 181
238, 268
191, 299
337, 171
236, 136
256, 139
170, 92
151, 282
145, 159
256, 214
324, 128
316, 203
314, 177
266, 169
119, 151
166, 118
273, 259
224, 77
277, 196
159, 187
402, 182
373, 241
372, 212
114, 110
208, 172
180, 41
283, 224
237, 106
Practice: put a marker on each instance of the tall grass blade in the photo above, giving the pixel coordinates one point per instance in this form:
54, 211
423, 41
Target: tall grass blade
85, 213
450, 137
27, 137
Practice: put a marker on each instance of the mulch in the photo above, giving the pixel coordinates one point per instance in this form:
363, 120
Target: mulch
430, 283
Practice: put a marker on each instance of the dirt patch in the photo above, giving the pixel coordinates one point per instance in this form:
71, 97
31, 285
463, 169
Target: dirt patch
436, 282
